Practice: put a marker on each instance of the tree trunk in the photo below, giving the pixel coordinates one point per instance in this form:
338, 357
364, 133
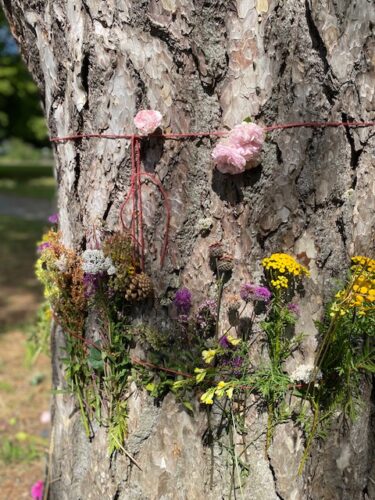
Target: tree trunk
206, 65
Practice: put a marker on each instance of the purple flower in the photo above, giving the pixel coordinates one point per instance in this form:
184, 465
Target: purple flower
294, 308
224, 343
37, 490
40, 248
53, 219
183, 319
206, 316
250, 292
91, 283
237, 362
237, 365
182, 301
233, 363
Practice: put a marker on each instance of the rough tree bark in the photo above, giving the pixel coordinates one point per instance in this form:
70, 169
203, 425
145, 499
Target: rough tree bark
206, 65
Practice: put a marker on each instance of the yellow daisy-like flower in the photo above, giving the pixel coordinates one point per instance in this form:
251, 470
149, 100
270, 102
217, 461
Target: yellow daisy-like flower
209, 355
284, 263
359, 294
282, 268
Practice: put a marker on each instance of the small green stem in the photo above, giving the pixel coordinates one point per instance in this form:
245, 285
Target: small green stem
310, 438
269, 426
83, 413
235, 455
220, 284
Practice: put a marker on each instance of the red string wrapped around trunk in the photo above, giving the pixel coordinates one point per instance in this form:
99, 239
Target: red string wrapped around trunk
134, 195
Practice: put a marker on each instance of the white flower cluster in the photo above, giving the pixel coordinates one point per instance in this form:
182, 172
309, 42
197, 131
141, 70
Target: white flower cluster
94, 261
306, 374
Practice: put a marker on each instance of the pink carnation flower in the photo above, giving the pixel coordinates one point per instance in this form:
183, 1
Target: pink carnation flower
249, 139
147, 121
37, 490
228, 159
241, 149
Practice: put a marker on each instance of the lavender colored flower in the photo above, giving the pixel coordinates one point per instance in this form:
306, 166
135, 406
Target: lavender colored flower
91, 283
183, 319
43, 246
294, 308
206, 316
182, 301
236, 364
262, 293
250, 292
53, 219
224, 343
233, 363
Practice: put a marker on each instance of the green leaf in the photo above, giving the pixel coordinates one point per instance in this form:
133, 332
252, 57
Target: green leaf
95, 359
188, 406
150, 387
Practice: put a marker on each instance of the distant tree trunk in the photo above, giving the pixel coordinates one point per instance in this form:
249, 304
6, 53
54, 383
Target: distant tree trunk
206, 65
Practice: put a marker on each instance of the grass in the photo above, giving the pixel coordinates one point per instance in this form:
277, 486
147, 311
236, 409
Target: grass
13, 452
33, 181
19, 289
24, 391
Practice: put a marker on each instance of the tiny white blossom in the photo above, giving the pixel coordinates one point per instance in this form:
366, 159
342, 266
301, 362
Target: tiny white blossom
61, 264
94, 261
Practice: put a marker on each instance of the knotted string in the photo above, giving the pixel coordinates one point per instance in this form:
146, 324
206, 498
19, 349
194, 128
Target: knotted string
134, 195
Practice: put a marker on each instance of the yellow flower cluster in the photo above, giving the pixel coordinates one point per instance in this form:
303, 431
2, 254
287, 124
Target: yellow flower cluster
280, 267
219, 391
359, 294
362, 263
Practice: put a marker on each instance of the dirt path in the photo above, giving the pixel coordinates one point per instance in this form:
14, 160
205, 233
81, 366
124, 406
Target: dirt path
21, 404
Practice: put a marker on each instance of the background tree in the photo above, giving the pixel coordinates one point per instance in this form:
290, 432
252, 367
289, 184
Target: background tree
206, 65
20, 112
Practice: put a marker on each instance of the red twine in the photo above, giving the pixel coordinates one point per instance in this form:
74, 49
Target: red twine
136, 229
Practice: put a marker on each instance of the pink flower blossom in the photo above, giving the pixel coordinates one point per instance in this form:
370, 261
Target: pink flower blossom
228, 159
53, 219
147, 121
249, 139
45, 417
37, 490
240, 150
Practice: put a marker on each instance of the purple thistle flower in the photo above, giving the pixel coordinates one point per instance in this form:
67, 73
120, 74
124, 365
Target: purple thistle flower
40, 248
294, 308
250, 292
53, 219
182, 301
